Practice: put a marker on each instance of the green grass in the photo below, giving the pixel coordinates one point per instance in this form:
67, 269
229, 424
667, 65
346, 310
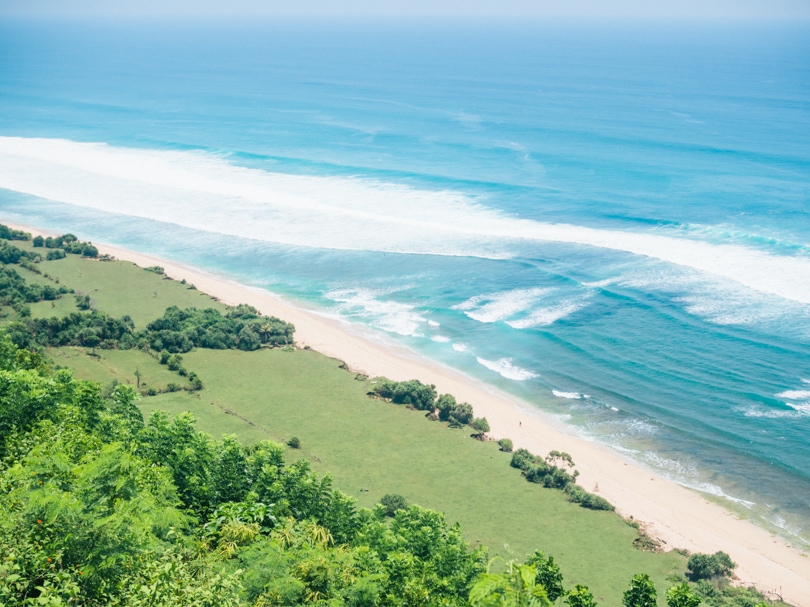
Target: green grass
116, 287
120, 288
119, 365
369, 447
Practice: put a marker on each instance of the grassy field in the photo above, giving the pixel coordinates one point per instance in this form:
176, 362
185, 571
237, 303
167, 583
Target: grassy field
119, 365
117, 288
369, 447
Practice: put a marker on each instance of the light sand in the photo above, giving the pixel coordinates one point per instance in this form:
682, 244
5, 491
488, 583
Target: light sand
679, 517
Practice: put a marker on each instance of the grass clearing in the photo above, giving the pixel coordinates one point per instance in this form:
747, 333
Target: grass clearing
120, 288
118, 365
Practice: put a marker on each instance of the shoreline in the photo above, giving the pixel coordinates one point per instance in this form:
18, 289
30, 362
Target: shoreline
678, 517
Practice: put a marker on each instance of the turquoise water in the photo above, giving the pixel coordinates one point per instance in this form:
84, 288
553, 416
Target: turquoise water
613, 223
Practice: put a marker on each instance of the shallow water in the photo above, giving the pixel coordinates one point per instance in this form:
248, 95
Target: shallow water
611, 223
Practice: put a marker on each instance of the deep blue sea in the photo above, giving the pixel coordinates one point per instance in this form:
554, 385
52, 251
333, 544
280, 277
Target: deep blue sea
610, 221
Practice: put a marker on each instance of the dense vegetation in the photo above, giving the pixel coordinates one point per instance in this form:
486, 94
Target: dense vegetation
178, 330
99, 507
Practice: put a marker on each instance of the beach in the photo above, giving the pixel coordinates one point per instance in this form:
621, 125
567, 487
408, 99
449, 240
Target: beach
678, 517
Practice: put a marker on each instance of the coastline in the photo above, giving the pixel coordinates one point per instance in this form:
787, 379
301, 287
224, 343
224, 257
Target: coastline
679, 517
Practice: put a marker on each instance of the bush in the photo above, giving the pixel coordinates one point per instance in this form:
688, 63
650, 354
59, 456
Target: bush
461, 415
294, 443
522, 459
505, 445
89, 250
175, 362
481, 426
415, 393
578, 495
39, 241
55, 254
393, 502
707, 566
83, 302
445, 405
8, 234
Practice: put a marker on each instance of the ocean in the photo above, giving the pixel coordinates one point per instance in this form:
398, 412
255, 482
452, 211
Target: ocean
610, 221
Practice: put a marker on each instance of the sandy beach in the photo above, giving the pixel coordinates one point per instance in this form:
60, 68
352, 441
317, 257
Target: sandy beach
678, 517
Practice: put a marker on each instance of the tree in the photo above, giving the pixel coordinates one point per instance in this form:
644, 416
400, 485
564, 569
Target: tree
548, 574
505, 445
445, 404
393, 502
681, 596
138, 378
641, 592
580, 596
516, 587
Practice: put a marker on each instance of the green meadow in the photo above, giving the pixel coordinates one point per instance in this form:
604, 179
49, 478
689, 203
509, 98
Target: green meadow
369, 447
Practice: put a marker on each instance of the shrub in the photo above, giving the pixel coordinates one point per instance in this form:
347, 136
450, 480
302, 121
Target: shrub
505, 445
707, 566
83, 302
393, 502
481, 426
89, 250
522, 459
164, 358
445, 405
578, 495
461, 415
294, 443
175, 362
55, 254
415, 393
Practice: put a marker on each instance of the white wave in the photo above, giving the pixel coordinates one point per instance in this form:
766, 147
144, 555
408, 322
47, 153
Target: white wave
796, 410
716, 490
433, 323
794, 394
506, 369
721, 302
543, 317
569, 395
204, 191
440, 339
498, 306
802, 408
390, 316
678, 468
460, 347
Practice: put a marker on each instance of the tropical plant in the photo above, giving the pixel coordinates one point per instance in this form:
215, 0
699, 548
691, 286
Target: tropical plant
516, 587
641, 592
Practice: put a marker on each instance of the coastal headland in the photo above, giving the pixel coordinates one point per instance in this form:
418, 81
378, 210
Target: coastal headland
676, 516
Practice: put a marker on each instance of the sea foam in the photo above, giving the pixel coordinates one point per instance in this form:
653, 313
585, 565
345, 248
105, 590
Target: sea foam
391, 316
505, 368
204, 191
